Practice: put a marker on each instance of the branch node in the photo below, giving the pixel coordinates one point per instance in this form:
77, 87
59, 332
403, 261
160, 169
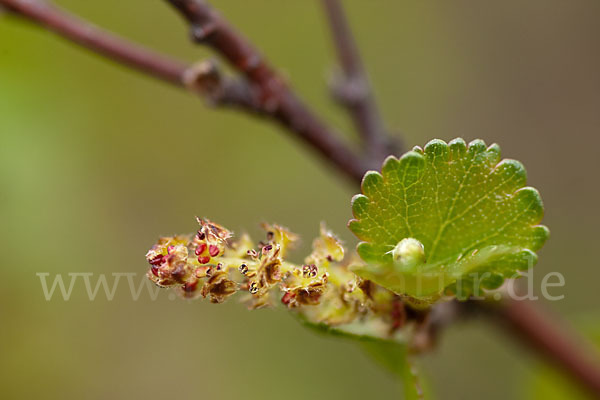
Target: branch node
275, 99
206, 79
252, 62
347, 91
354, 91
203, 77
201, 32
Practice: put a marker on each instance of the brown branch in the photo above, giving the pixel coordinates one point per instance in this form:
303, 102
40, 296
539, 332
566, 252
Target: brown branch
130, 54
238, 93
276, 99
105, 43
535, 327
542, 333
547, 335
353, 89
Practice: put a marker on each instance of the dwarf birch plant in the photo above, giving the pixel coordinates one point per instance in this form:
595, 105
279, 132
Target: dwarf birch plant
441, 222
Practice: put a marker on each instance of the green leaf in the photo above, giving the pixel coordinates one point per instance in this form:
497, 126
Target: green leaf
390, 354
449, 216
394, 359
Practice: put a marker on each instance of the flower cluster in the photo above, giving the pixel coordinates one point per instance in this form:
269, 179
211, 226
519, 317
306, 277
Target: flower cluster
323, 290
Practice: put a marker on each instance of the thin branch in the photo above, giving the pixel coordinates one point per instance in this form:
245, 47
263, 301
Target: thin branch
140, 58
276, 98
535, 327
353, 89
95, 39
542, 333
238, 93
547, 335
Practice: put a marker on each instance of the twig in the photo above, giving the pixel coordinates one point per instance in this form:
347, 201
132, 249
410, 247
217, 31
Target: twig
543, 334
238, 93
95, 39
276, 99
118, 49
527, 322
353, 89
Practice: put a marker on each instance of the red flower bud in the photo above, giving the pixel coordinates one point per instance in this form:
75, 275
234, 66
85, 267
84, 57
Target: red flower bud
190, 287
213, 250
203, 259
159, 259
200, 249
287, 298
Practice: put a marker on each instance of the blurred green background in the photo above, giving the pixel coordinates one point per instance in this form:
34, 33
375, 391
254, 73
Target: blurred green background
97, 161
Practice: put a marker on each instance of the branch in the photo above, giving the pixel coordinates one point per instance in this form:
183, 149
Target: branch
543, 334
353, 89
130, 54
97, 40
242, 94
275, 97
531, 324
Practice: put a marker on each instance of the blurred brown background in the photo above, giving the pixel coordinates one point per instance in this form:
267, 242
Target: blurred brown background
97, 161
